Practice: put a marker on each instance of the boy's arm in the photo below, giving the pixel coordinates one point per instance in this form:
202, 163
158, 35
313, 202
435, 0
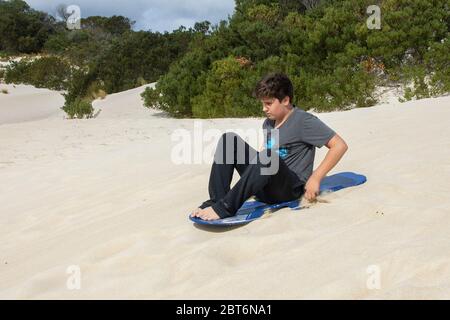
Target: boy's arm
261, 147
337, 148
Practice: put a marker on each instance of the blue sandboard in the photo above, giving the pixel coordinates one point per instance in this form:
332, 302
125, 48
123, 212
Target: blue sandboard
253, 210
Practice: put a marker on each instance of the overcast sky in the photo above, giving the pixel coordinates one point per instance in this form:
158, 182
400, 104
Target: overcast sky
155, 15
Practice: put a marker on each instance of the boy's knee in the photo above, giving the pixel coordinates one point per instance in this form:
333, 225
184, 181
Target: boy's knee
229, 136
230, 140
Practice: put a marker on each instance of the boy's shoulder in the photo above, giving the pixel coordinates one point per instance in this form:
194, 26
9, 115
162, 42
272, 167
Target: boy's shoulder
267, 123
299, 113
304, 116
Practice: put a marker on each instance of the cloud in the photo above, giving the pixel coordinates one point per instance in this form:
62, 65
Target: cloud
157, 15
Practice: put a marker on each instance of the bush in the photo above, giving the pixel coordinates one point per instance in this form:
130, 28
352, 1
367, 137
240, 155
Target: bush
438, 63
4, 91
229, 87
431, 78
82, 89
80, 85
344, 88
415, 83
78, 109
100, 94
48, 72
57, 43
185, 80
408, 29
22, 29
334, 60
137, 58
95, 91
223, 94
4, 56
151, 97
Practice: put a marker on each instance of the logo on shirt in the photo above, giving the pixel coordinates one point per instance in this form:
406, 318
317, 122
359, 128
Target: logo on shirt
282, 152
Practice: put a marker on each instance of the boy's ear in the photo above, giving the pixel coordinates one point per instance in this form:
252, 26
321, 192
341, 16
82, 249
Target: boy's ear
286, 101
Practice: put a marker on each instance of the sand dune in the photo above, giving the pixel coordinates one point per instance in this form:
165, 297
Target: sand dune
26, 103
103, 195
127, 104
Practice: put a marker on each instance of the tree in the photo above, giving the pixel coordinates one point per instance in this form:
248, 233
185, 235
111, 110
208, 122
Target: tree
309, 4
202, 27
115, 25
333, 59
288, 6
22, 29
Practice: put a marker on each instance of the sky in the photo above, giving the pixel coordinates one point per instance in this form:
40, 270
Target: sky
154, 15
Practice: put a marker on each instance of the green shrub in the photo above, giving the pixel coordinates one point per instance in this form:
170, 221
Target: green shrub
137, 58
95, 91
48, 72
408, 29
341, 89
185, 80
57, 43
415, 83
334, 60
438, 61
140, 81
4, 56
82, 89
22, 29
222, 95
78, 109
432, 77
229, 87
151, 97
81, 85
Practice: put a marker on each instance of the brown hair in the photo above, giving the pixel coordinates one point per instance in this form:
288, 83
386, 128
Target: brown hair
274, 85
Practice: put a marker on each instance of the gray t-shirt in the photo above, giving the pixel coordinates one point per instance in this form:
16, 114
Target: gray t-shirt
298, 138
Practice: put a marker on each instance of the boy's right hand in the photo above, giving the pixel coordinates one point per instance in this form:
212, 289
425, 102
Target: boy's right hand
312, 188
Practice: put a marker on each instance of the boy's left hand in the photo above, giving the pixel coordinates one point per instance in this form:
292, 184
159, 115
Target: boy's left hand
312, 188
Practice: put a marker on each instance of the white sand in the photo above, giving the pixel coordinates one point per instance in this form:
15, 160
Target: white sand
26, 103
103, 194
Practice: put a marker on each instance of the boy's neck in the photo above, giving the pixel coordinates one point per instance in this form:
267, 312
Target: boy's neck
279, 122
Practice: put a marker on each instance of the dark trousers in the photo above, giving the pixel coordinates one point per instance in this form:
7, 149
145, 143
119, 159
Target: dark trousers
234, 153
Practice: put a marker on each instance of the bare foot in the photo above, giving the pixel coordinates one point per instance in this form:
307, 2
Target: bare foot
195, 212
207, 214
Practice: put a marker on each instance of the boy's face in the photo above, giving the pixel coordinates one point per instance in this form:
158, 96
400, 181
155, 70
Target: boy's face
274, 109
